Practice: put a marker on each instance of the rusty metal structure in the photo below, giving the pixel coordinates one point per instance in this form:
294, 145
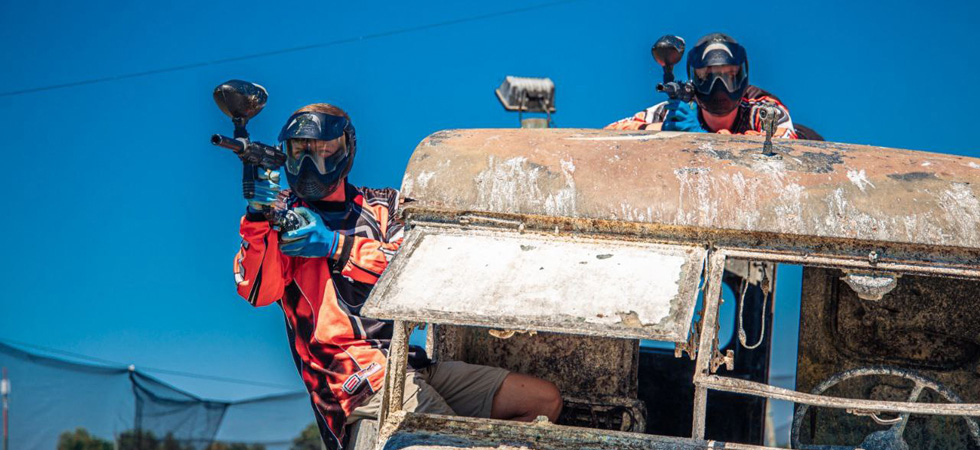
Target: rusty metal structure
576, 244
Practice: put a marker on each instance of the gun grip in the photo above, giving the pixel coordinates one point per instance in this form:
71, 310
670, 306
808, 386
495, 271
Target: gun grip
249, 173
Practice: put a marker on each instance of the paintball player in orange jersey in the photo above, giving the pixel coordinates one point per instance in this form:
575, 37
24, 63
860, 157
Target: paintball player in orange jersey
719, 71
321, 274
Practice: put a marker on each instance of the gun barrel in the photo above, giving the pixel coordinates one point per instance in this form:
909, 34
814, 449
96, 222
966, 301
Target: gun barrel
226, 142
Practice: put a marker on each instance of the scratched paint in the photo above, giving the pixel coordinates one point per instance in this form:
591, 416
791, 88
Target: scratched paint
860, 178
527, 277
710, 182
510, 184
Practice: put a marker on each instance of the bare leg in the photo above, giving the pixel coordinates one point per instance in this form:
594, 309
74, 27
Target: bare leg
523, 397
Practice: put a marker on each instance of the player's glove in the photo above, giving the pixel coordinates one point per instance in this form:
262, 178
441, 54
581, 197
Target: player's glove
313, 240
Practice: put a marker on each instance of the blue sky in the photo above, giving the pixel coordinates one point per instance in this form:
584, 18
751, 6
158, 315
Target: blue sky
123, 219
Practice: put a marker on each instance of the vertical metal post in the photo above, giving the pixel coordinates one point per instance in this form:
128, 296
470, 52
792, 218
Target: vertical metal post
394, 389
709, 330
5, 393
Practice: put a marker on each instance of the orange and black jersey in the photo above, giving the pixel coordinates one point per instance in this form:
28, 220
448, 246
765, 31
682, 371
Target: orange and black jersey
340, 355
747, 120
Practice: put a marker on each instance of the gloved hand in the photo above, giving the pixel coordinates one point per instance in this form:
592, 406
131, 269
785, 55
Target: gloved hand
313, 240
266, 190
681, 116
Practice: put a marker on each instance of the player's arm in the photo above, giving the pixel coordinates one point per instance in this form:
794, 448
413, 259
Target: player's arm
260, 268
648, 119
363, 259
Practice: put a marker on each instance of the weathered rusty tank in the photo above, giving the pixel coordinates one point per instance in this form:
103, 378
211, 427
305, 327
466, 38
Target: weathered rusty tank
554, 252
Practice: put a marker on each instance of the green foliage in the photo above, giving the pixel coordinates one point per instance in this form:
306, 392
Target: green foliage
138, 440
308, 439
235, 446
80, 439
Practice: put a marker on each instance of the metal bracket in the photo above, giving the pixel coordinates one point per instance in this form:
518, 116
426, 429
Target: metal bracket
728, 360
691, 345
874, 416
871, 286
768, 114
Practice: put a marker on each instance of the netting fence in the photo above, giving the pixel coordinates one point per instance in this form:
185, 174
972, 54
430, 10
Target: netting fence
65, 405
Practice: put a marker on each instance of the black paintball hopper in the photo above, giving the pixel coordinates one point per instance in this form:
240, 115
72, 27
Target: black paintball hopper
240, 100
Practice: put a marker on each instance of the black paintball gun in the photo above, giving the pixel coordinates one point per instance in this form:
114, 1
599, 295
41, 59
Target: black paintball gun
668, 51
242, 101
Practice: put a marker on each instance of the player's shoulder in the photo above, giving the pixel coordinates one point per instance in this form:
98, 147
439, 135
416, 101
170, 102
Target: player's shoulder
379, 196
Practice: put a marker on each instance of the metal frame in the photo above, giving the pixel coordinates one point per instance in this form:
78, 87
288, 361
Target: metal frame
392, 416
704, 380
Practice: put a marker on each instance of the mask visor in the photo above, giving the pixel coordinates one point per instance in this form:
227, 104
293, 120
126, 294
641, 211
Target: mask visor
325, 155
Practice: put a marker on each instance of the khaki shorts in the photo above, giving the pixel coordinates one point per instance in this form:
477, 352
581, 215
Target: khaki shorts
452, 388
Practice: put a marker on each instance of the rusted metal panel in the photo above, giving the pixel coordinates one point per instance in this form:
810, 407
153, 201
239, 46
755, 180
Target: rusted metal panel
426, 431
503, 279
927, 325
581, 366
704, 182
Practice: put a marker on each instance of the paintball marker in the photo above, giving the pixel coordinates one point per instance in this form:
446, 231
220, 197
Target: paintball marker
241, 101
668, 51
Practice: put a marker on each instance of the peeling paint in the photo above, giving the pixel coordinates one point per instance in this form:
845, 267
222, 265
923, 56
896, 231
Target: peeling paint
962, 208
629, 137
423, 179
701, 183
859, 178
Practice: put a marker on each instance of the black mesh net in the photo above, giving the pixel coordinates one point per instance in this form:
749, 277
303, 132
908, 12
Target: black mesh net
64, 405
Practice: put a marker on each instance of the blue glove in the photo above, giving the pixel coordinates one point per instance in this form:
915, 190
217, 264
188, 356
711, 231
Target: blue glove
681, 116
313, 240
266, 191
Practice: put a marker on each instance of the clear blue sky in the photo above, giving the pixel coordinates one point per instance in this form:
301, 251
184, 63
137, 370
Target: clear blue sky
122, 219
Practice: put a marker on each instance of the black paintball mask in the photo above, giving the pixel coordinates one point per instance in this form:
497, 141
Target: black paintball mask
320, 152
719, 70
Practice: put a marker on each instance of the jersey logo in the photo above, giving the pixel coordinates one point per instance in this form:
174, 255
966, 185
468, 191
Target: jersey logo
355, 381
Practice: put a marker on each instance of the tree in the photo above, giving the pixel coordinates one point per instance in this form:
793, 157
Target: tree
308, 439
138, 440
171, 443
80, 439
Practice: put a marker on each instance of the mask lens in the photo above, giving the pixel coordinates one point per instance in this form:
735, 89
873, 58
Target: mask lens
325, 155
706, 77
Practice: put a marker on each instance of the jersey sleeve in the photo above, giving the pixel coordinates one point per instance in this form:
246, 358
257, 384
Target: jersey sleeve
261, 270
784, 126
363, 259
640, 120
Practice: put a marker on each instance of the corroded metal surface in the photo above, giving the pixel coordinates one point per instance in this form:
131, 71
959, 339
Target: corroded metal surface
704, 182
416, 431
927, 324
894, 438
587, 367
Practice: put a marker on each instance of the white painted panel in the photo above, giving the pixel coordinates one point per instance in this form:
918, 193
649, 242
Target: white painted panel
527, 281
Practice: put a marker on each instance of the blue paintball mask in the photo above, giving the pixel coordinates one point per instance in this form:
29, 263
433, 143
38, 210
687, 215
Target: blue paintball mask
320, 152
719, 69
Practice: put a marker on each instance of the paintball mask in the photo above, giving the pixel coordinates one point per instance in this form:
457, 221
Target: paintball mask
319, 150
719, 70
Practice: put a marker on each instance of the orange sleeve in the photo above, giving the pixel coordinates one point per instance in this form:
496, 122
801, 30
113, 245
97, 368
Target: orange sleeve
363, 259
261, 270
635, 122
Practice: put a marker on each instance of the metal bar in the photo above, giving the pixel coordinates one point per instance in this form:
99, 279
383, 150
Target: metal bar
803, 249
763, 390
839, 262
394, 388
709, 330
5, 391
